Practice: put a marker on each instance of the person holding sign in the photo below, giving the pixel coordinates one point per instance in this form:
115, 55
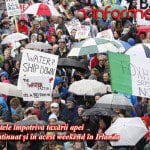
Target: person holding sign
93, 29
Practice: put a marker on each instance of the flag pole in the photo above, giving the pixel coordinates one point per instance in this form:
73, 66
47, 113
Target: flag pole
16, 23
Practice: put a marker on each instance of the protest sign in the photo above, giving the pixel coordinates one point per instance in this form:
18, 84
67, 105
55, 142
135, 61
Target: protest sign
13, 8
83, 32
106, 34
36, 88
143, 6
129, 75
74, 24
35, 63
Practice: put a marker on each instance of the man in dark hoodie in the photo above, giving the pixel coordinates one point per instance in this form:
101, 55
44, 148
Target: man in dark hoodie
70, 112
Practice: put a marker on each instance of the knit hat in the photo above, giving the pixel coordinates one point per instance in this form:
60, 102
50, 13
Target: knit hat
56, 95
146, 119
131, 41
53, 116
81, 106
4, 73
84, 13
70, 99
52, 29
54, 105
5, 21
37, 112
23, 18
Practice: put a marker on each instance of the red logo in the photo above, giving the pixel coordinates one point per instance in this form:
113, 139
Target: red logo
118, 14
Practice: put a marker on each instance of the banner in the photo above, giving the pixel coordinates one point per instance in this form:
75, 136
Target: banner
129, 75
83, 32
106, 34
13, 8
38, 65
73, 25
36, 88
143, 5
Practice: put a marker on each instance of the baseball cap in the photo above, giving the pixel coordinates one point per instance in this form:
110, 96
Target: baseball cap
56, 95
70, 99
61, 41
54, 105
52, 116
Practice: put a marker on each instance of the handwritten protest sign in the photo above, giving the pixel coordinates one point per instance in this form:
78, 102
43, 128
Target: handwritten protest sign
36, 88
13, 8
35, 63
74, 24
130, 75
83, 32
106, 34
140, 73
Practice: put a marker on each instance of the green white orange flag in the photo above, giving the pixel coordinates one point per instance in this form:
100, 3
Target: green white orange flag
129, 75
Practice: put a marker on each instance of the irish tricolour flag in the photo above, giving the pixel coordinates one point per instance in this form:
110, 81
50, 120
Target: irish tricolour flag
129, 75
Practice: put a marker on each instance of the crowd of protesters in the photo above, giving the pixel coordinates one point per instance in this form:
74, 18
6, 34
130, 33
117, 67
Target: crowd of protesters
66, 107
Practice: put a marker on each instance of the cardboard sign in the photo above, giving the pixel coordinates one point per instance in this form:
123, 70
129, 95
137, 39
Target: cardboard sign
83, 32
106, 34
38, 64
13, 8
73, 25
36, 88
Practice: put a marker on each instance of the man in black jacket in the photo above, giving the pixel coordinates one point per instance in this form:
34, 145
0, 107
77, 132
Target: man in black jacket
62, 50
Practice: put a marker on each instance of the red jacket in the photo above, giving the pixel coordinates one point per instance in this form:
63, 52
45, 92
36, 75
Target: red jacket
23, 29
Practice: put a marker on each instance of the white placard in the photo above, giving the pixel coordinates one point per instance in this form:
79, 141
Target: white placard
83, 32
13, 7
106, 34
74, 24
36, 89
140, 72
37, 64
